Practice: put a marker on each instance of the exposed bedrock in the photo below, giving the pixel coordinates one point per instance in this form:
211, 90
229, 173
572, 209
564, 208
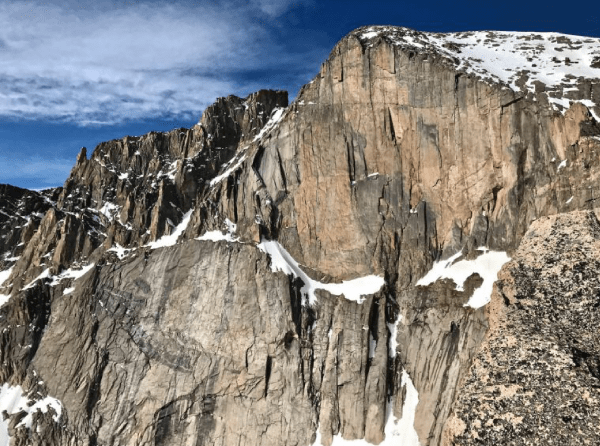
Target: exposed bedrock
392, 158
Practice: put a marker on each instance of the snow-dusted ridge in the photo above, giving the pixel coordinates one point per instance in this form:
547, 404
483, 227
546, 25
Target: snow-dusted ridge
556, 60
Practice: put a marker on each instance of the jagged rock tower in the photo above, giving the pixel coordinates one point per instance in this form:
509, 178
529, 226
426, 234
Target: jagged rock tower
406, 254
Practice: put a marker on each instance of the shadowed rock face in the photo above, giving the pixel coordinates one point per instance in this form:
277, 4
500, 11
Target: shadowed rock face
140, 299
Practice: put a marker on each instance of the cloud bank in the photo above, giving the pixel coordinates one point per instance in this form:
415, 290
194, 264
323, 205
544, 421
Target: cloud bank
110, 62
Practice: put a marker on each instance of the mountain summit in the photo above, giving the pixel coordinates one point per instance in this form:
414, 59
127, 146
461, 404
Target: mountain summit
407, 254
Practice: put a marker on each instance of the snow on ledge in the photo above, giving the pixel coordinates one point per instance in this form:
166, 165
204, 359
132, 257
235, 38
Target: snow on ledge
72, 274
229, 171
120, 251
276, 116
216, 236
170, 240
353, 289
67, 274
44, 274
487, 265
13, 401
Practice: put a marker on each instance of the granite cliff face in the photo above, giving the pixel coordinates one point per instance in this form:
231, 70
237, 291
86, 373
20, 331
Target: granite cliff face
324, 271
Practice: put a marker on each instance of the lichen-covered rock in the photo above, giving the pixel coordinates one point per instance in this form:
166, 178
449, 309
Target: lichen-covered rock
536, 379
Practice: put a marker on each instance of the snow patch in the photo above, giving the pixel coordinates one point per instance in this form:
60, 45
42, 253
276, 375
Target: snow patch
353, 290
43, 406
216, 236
402, 431
4, 275
109, 210
276, 116
229, 171
487, 265
3, 299
68, 291
590, 105
172, 170
170, 240
393, 335
569, 200
562, 164
119, 250
370, 35
372, 346
12, 400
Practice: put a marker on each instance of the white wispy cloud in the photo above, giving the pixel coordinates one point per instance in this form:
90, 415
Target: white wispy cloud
103, 64
274, 8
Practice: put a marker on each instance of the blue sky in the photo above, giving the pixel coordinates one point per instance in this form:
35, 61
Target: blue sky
76, 73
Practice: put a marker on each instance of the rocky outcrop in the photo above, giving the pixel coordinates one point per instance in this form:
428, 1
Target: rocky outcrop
135, 190
536, 379
21, 212
255, 280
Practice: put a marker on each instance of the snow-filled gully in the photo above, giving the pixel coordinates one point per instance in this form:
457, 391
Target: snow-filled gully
398, 432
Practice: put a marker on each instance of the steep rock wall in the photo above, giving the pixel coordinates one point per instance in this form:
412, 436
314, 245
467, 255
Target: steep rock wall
391, 158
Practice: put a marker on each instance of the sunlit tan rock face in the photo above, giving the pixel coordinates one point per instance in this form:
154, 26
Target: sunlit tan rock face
188, 287
383, 131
